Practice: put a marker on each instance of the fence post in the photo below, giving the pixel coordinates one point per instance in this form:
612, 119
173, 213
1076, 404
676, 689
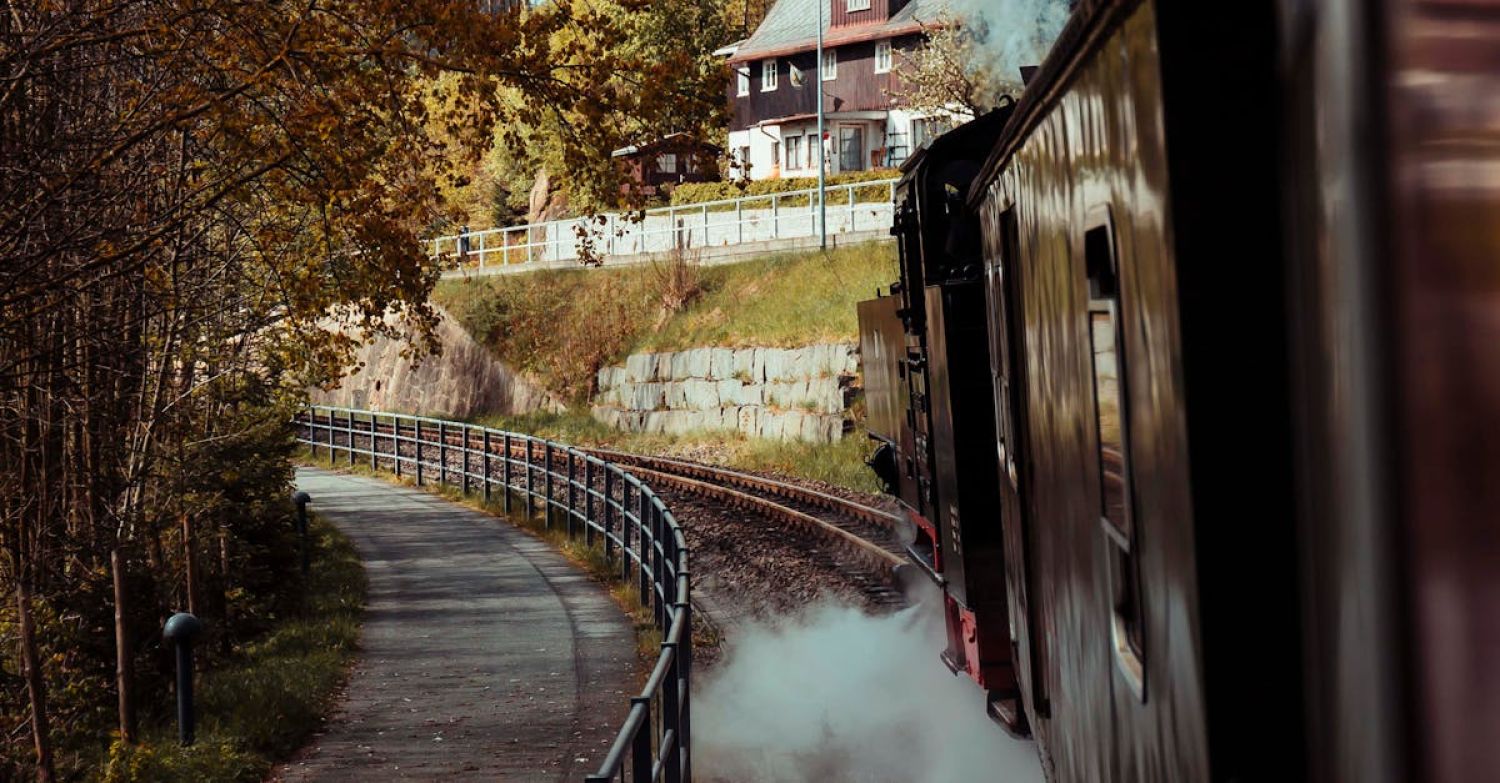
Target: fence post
705, 226
775, 216
640, 744
464, 481
588, 502
417, 450
625, 531
643, 515
485, 460
609, 510
332, 454
658, 574
374, 441
505, 469
530, 485
739, 221
481, 249
851, 209
396, 444
685, 703
442, 454
547, 480
349, 435
671, 718
572, 495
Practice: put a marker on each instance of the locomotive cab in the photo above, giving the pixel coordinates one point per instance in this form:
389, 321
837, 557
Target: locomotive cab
928, 389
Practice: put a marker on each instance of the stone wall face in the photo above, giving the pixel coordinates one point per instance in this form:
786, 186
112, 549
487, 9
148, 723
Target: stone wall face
778, 393
461, 381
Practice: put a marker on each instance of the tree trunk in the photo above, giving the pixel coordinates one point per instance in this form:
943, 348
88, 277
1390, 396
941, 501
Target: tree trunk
189, 570
31, 661
124, 656
225, 640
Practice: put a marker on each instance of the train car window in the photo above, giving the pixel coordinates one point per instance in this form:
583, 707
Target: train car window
1110, 411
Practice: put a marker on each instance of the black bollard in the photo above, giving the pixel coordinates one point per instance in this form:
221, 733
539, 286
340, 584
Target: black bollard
180, 630
301, 499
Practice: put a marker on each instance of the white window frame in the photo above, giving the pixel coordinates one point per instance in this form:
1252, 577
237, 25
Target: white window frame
884, 54
856, 5
792, 151
743, 75
812, 154
830, 58
666, 163
768, 75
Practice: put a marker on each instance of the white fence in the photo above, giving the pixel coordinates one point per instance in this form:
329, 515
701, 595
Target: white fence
790, 215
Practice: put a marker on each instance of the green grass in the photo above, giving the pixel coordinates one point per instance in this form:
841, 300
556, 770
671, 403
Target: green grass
264, 705
563, 325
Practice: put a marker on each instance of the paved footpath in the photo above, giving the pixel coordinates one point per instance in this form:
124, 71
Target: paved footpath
485, 654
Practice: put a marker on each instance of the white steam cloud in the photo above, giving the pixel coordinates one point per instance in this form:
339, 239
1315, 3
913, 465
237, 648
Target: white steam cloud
835, 695
1012, 33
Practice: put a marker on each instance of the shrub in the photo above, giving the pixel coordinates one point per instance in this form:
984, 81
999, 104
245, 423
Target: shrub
699, 192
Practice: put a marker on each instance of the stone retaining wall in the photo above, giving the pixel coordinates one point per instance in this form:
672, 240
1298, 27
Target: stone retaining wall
461, 381
778, 393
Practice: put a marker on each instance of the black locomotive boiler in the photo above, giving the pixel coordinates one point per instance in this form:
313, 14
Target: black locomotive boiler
1190, 388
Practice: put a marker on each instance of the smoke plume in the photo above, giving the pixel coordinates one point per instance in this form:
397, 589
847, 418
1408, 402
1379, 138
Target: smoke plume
1010, 34
836, 695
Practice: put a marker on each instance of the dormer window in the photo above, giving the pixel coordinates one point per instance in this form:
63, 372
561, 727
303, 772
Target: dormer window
856, 5
768, 75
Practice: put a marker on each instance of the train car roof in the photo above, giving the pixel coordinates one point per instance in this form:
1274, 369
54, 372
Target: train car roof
1090, 19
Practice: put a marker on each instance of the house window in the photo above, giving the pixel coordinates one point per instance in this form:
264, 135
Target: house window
743, 77
775, 154
812, 143
851, 148
925, 129
745, 162
794, 152
767, 75
666, 163
856, 5
883, 57
830, 64
794, 74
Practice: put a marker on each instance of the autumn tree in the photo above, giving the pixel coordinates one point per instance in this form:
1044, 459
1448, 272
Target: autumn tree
202, 204
949, 72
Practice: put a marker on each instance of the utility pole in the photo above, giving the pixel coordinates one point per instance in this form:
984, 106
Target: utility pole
822, 142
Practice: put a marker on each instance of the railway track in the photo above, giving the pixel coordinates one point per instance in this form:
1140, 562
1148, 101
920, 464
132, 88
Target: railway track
861, 542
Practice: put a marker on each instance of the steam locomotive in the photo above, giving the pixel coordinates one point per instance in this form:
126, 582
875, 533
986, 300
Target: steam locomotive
1190, 388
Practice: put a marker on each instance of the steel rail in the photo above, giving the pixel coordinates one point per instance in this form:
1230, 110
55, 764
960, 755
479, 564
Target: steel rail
654, 742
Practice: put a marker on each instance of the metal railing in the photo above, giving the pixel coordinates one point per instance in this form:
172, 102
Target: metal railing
594, 498
790, 215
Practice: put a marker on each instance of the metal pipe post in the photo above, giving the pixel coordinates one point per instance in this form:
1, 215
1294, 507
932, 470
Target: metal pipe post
822, 164
180, 630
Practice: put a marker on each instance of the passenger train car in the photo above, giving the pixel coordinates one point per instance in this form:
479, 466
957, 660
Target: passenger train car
1190, 387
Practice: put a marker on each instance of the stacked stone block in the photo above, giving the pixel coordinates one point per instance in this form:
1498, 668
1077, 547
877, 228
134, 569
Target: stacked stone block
776, 393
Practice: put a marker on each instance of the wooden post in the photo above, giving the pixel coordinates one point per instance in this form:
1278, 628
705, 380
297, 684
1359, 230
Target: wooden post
124, 655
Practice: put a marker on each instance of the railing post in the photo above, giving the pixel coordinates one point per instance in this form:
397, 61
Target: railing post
505, 469
739, 221
464, 481
481, 249
332, 454
642, 519
417, 450
850, 227
625, 531
775, 216
658, 574
396, 444
530, 484
705, 226
609, 511
588, 502
349, 435
572, 481
547, 481
442, 454
671, 717
484, 468
640, 744
374, 441
685, 704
